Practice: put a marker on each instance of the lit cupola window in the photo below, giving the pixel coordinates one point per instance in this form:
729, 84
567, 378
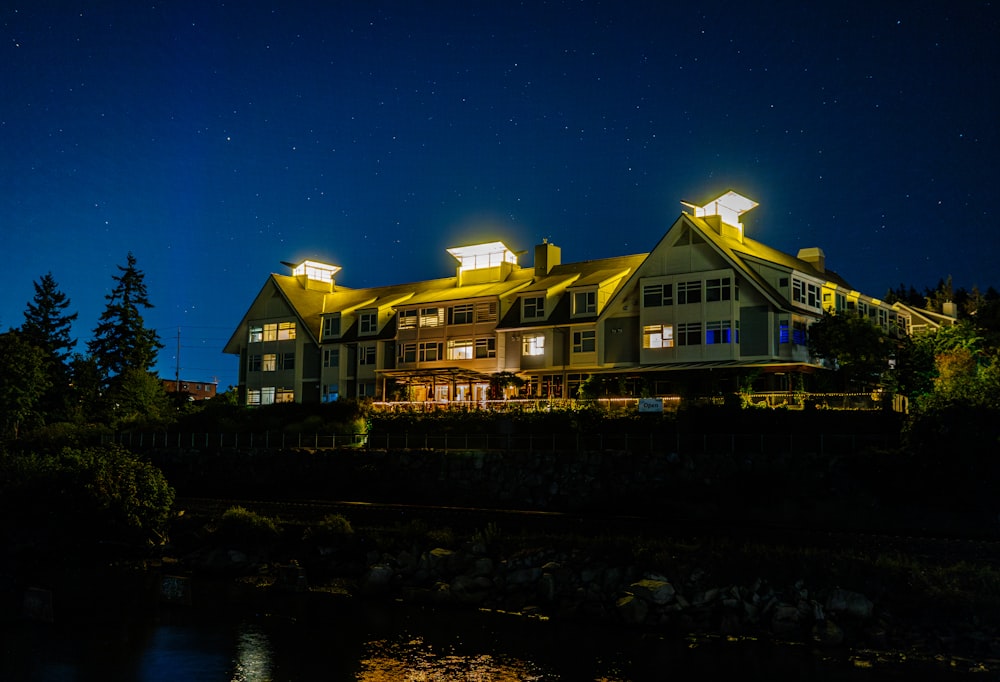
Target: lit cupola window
729, 207
314, 275
481, 256
321, 272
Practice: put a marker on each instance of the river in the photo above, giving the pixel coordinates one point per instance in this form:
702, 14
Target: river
349, 639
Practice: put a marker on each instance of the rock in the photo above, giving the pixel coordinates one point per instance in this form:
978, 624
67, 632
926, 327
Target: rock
827, 633
378, 579
851, 603
656, 591
632, 610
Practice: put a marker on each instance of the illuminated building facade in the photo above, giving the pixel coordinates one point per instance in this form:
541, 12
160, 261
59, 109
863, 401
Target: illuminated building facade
706, 306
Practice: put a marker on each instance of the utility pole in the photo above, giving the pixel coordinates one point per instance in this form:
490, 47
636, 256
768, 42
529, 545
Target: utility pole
177, 366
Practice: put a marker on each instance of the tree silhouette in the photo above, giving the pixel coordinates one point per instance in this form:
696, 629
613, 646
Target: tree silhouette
121, 340
46, 323
48, 326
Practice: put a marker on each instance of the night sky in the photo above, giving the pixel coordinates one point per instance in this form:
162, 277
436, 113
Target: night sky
215, 140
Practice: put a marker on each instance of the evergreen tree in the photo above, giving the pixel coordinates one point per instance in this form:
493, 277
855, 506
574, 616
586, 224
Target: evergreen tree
46, 324
121, 340
23, 382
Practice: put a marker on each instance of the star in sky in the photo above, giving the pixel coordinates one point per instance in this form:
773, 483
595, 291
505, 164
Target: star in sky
215, 140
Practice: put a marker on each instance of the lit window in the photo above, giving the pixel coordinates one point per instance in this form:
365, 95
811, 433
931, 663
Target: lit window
486, 348
407, 352
656, 295
267, 395
584, 341
460, 349
256, 333
431, 317
253, 363
688, 292
783, 331
584, 302
331, 393
533, 308
253, 397
284, 395
270, 332
718, 332
460, 314
799, 333
368, 322
658, 336
429, 351
270, 362
533, 344
331, 357
366, 355
717, 289
689, 334
408, 319
331, 326
286, 331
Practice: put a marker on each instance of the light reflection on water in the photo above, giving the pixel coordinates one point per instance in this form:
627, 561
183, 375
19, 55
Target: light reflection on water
417, 661
374, 643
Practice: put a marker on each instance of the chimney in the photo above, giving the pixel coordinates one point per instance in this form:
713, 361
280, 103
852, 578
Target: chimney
815, 257
547, 256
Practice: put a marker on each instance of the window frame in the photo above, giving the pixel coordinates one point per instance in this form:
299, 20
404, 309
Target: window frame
585, 341
663, 293
589, 299
533, 345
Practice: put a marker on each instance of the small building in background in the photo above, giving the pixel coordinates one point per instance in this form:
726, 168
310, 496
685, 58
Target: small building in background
197, 390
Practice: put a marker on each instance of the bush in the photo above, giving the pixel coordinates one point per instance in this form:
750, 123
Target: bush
247, 529
84, 494
333, 528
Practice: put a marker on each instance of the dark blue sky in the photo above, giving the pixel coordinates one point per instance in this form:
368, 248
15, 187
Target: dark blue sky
215, 140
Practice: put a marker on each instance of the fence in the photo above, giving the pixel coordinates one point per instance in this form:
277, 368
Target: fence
637, 443
794, 400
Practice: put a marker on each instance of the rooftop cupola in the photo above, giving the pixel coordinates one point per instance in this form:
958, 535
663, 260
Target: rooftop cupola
723, 213
314, 275
481, 263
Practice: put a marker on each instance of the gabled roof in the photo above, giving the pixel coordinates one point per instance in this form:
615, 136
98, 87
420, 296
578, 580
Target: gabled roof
584, 273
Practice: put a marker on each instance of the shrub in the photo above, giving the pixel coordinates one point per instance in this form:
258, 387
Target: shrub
247, 529
333, 528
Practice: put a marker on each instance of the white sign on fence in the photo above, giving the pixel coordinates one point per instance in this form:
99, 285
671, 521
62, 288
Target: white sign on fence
650, 404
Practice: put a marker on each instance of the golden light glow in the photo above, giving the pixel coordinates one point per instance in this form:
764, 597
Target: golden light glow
322, 272
480, 256
730, 206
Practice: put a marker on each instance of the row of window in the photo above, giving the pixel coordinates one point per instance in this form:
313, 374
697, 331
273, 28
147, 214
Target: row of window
456, 349
269, 395
695, 291
270, 362
273, 331
464, 313
690, 334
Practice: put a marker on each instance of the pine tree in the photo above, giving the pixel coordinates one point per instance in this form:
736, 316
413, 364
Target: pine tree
121, 340
48, 327
46, 323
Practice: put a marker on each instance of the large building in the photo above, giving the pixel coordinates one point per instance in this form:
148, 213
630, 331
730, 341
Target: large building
706, 307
